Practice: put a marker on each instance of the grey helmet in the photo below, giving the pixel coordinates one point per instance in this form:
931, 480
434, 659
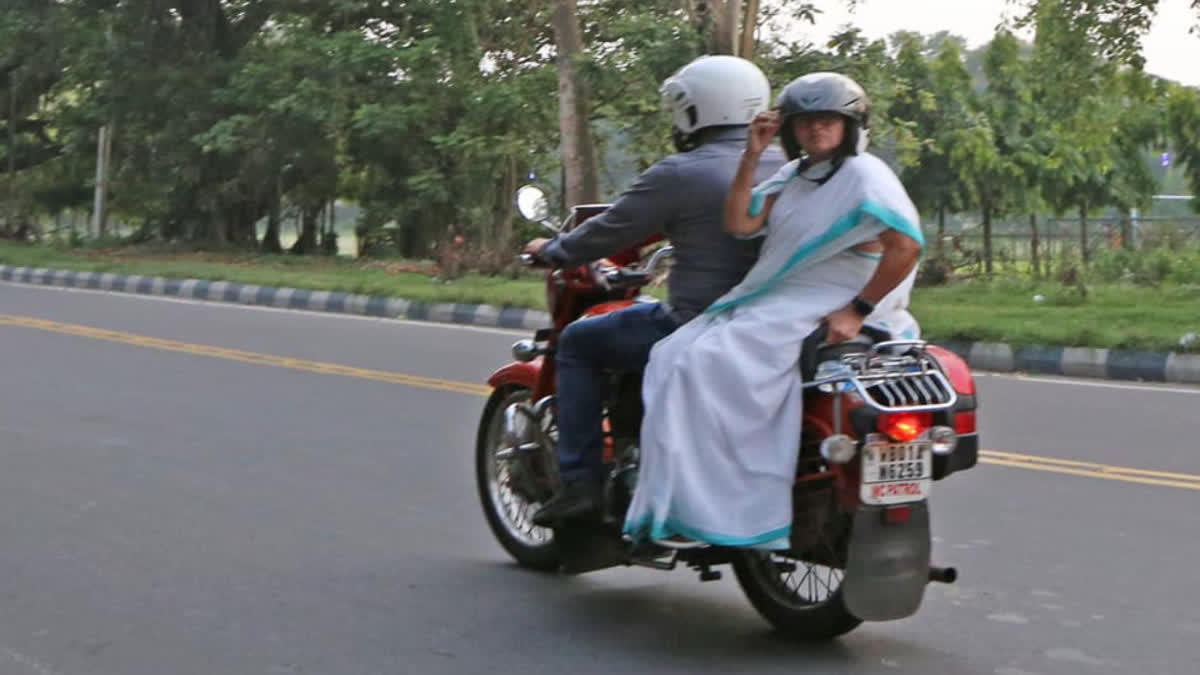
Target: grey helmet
825, 93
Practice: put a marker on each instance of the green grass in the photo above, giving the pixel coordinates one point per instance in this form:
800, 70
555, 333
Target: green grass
1115, 315
331, 274
1123, 316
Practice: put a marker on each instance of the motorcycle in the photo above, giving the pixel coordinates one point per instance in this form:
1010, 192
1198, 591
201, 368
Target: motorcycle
884, 420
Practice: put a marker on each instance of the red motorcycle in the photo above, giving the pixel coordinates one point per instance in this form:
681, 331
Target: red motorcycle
883, 420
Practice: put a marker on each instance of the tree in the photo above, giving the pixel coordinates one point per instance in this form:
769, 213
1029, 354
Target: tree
1077, 88
582, 183
987, 151
1183, 116
29, 67
931, 105
1112, 29
1141, 110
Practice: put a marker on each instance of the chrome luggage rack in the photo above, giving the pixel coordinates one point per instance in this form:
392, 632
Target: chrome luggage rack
891, 376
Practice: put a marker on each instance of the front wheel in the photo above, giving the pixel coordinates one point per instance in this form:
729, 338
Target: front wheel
507, 503
801, 600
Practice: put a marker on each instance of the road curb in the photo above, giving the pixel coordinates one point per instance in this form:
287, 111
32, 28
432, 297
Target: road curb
1110, 364
283, 298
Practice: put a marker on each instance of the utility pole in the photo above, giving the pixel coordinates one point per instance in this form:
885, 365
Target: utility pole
11, 196
103, 158
99, 202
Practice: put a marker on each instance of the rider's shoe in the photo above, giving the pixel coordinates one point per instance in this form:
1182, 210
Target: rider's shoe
579, 500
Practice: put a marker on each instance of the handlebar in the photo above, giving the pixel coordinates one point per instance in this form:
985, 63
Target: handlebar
617, 276
630, 276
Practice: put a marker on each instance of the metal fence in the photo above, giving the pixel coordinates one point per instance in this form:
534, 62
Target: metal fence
1060, 241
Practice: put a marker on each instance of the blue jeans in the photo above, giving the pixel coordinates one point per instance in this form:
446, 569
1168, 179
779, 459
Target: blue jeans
617, 341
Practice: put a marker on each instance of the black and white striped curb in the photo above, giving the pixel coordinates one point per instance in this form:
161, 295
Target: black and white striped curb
1068, 361
284, 298
1113, 364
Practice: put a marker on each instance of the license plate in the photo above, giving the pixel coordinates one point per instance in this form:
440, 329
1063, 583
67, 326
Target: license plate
896, 473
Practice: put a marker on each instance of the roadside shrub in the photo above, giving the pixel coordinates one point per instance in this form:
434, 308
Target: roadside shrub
1147, 266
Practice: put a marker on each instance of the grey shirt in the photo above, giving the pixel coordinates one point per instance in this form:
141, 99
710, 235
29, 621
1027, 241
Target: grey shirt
682, 197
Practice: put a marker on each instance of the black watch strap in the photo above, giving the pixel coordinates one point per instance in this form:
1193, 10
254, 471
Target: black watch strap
862, 307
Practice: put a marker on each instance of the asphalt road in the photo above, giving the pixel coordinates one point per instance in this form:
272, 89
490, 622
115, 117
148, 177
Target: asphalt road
185, 491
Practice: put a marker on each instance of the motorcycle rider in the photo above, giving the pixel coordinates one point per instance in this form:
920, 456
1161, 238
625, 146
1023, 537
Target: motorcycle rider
713, 99
842, 243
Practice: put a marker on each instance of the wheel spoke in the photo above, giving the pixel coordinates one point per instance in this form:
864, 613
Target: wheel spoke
509, 500
818, 583
828, 590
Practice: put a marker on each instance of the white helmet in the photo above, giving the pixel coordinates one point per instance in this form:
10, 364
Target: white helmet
715, 91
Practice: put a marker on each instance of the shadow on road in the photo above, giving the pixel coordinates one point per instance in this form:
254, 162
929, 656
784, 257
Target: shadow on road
689, 626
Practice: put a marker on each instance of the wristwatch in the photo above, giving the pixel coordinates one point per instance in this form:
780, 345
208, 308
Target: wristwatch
861, 307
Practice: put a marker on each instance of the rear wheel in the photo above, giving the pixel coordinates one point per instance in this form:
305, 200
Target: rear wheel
505, 490
802, 600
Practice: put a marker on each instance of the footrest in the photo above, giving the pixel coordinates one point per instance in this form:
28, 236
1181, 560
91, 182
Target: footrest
585, 548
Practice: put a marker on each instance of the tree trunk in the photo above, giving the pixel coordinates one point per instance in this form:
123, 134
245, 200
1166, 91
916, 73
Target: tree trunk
987, 238
940, 246
270, 240
412, 243
307, 243
242, 219
1033, 246
1083, 234
212, 227
579, 148
11, 169
1126, 230
724, 39
749, 27
504, 232
108, 141
99, 202
329, 232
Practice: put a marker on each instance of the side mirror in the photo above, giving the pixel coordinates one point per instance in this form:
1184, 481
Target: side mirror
532, 203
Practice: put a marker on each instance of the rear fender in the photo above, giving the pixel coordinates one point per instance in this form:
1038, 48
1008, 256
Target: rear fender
887, 566
962, 417
956, 369
517, 374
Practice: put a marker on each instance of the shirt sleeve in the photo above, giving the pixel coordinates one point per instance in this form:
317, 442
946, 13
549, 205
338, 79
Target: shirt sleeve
643, 210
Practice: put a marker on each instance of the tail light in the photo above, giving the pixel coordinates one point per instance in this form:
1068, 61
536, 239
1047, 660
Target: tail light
964, 422
904, 427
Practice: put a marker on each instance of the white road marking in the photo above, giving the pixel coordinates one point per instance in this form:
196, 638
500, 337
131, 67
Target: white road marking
1088, 383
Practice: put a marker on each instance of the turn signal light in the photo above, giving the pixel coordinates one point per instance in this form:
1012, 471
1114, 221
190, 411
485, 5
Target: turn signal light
906, 426
839, 449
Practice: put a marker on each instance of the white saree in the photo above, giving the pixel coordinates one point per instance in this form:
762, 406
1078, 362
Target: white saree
723, 398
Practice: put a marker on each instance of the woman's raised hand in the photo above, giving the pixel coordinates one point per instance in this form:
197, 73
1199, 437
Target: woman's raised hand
762, 131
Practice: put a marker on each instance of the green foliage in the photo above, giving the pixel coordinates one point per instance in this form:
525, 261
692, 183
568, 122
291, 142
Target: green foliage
1151, 266
1183, 114
430, 113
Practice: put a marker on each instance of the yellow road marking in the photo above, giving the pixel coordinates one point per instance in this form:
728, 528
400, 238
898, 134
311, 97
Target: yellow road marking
246, 356
1193, 484
993, 457
1014, 458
